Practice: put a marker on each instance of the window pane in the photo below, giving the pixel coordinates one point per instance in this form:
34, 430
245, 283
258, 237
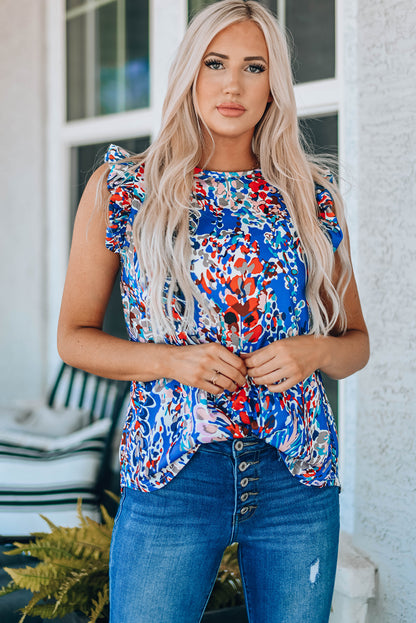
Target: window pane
196, 5
84, 159
107, 87
270, 4
72, 4
321, 133
137, 55
312, 25
107, 58
75, 67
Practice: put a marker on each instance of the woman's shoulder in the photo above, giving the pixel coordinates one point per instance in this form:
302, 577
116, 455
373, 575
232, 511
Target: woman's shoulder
125, 171
125, 183
326, 211
117, 154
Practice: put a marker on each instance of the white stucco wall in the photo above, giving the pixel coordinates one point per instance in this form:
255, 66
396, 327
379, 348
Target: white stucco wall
380, 96
22, 181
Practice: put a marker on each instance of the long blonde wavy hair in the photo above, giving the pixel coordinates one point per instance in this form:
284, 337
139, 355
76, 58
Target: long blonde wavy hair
161, 227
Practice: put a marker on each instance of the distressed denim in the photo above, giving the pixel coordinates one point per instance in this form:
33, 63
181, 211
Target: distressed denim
167, 544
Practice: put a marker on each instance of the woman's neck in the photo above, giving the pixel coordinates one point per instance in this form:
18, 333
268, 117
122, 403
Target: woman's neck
229, 156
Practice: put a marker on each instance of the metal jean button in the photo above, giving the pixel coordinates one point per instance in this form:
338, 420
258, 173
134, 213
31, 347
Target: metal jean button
244, 510
239, 445
244, 497
244, 482
243, 466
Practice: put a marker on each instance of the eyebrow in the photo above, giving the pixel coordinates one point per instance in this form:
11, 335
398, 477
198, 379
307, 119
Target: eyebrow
246, 58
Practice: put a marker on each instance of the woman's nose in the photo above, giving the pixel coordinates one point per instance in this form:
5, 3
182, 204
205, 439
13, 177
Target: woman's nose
232, 83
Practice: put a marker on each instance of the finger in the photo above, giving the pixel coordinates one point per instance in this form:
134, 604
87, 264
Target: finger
282, 386
233, 360
272, 378
215, 354
259, 358
232, 374
213, 389
221, 382
271, 366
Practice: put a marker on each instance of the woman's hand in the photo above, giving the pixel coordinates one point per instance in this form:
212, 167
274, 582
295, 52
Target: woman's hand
285, 363
210, 367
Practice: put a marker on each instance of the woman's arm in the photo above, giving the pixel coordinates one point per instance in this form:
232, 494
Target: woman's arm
82, 343
286, 362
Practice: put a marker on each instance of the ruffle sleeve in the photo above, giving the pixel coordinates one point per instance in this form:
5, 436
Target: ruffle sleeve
125, 184
326, 215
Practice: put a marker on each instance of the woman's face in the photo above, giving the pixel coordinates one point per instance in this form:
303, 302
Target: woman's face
232, 88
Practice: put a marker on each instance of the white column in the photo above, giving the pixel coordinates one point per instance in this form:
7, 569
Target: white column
168, 20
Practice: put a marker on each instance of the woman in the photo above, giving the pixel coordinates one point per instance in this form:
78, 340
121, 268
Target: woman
234, 300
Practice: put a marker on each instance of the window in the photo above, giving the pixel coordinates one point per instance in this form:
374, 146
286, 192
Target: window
107, 60
311, 23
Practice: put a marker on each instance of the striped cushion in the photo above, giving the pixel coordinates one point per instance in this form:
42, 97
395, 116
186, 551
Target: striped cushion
43, 420
47, 475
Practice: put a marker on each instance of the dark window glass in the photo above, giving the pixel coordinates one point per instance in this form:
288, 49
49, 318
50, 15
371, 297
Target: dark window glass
321, 133
73, 4
196, 5
84, 160
106, 72
312, 26
107, 58
137, 54
76, 96
270, 4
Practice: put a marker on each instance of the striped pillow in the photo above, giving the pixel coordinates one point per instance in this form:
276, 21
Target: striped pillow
47, 475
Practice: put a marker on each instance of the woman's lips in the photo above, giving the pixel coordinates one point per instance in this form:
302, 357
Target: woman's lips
231, 110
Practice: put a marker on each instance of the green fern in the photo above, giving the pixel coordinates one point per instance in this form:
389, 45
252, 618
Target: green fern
72, 573
100, 604
228, 589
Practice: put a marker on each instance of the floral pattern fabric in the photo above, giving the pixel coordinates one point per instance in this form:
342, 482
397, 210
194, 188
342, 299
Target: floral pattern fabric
248, 263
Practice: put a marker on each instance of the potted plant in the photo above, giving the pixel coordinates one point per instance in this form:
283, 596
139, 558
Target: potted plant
71, 575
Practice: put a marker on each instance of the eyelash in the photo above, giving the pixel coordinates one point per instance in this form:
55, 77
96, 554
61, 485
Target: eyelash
211, 62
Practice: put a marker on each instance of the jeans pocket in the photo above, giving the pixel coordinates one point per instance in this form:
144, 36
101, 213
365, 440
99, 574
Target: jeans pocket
120, 507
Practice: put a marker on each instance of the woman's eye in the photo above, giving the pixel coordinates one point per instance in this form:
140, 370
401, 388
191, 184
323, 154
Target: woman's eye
256, 69
213, 64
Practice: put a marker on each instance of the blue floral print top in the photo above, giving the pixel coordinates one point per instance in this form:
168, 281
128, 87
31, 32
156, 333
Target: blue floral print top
246, 258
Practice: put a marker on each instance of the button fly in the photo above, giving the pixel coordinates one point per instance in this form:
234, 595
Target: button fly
244, 497
243, 466
244, 482
244, 510
239, 445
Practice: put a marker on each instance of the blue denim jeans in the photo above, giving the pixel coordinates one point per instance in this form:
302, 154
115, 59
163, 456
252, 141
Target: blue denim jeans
167, 545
